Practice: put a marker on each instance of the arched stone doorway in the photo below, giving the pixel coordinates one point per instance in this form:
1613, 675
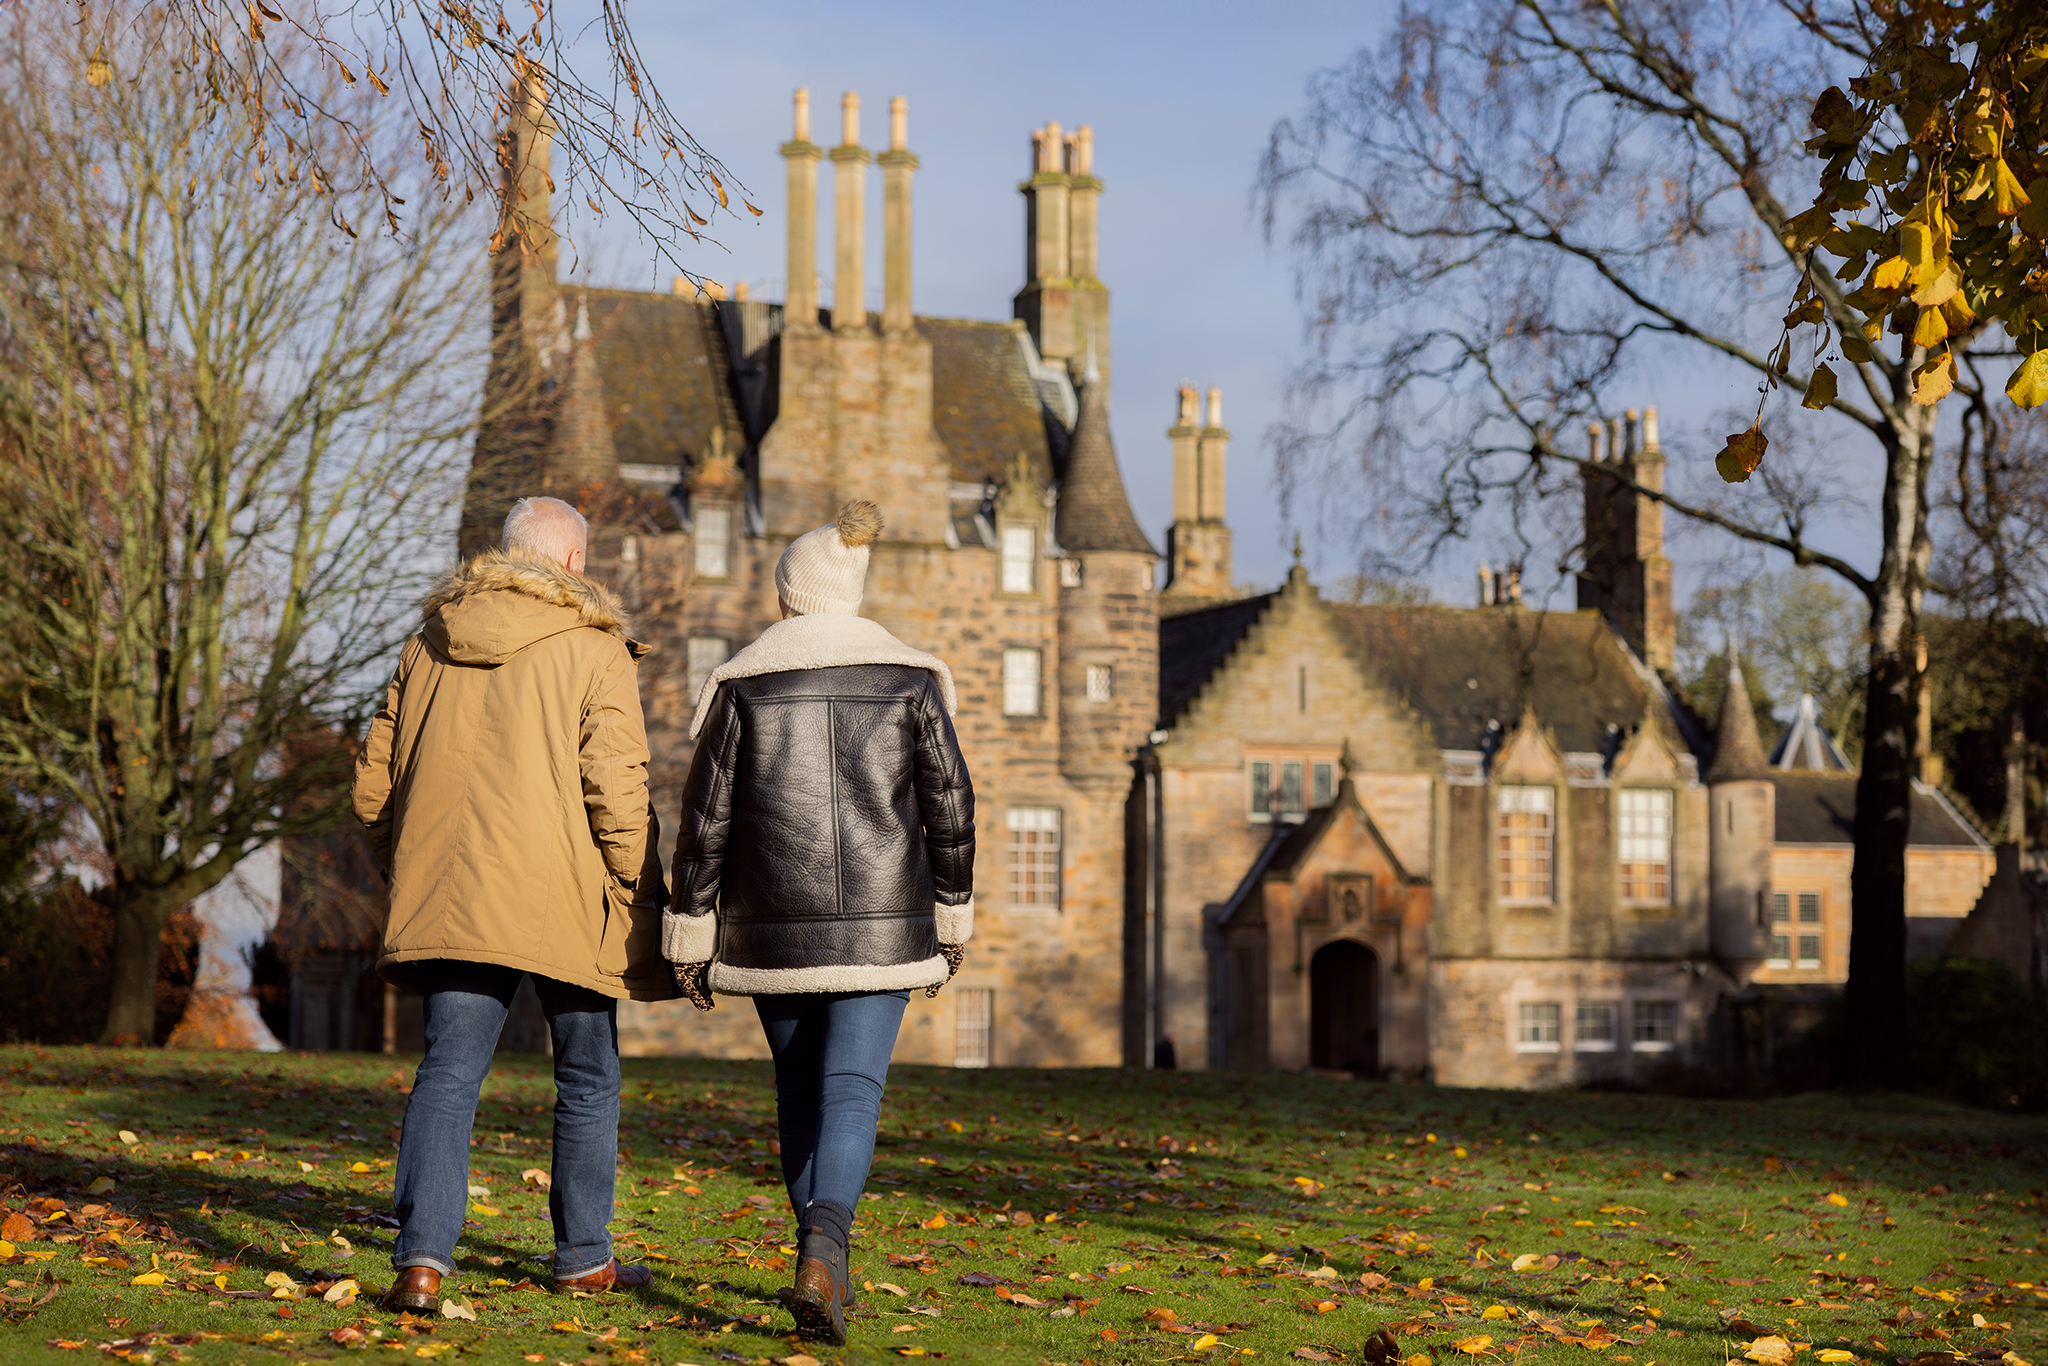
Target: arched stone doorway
1344, 1008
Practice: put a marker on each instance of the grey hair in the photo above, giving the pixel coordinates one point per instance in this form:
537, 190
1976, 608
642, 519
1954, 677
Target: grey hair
547, 527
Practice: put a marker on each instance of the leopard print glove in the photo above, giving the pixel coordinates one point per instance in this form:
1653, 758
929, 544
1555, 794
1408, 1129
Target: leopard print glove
954, 954
691, 981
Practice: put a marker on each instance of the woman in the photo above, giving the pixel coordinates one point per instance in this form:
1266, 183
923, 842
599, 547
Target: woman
825, 867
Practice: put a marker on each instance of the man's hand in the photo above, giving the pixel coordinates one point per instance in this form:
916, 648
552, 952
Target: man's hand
954, 954
691, 981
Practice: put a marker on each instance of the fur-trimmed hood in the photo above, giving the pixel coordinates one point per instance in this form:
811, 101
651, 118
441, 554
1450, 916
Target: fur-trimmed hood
826, 640
493, 606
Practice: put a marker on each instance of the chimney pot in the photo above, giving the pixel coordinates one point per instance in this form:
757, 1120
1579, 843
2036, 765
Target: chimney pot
803, 114
681, 285
739, 291
899, 124
1215, 406
1650, 430
1084, 150
1628, 425
849, 118
1188, 401
713, 290
1593, 448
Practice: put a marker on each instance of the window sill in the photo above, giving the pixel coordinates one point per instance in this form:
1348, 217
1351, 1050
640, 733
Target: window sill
1809, 965
1652, 1046
1507, 905
1537, 1048
1593, 1048
1778, 964
1032, 910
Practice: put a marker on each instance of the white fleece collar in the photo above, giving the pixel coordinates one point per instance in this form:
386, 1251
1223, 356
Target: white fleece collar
825, 640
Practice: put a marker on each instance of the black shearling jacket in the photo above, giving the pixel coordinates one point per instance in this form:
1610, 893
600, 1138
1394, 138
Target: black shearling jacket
827, 834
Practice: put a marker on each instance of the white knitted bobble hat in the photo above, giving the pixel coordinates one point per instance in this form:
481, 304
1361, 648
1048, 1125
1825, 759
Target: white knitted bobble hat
825, 570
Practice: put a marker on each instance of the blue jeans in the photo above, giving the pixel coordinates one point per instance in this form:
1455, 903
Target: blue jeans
466, 1010
831, 1063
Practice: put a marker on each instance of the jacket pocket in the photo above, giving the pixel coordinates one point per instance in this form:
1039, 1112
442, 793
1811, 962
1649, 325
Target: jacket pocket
618, 924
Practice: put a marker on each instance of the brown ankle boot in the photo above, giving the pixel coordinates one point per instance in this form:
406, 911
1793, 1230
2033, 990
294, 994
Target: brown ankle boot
417, 1290
823, 1289
614, 1275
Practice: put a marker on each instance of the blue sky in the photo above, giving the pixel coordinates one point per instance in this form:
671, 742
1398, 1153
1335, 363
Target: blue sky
1181, 98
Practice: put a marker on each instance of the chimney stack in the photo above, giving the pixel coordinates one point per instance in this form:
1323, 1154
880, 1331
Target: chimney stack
1187, 495
800, 307
1215, 446
849, 217
897, 164
1627, 577
1198, 557
1084, 194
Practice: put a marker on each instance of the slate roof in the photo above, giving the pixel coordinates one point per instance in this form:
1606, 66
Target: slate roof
1461, 667
1458, 667
667, 374
1094, 510
1193, 646
984, 401
1820, 808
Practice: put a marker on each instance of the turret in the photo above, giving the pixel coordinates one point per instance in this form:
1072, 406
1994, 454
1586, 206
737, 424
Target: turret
1743, 806
1109, 614
583, 456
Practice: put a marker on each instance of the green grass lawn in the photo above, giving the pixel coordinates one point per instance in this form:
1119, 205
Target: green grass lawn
1022, 1216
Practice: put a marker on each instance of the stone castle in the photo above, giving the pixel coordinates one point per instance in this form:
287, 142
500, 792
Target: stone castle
1486, 845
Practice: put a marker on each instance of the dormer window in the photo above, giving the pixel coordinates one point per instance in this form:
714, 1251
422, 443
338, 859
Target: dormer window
1020, 558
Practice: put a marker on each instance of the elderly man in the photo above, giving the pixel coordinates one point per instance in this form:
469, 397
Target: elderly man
504, 788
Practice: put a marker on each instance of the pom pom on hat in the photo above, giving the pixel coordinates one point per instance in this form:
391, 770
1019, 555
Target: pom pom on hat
826, 570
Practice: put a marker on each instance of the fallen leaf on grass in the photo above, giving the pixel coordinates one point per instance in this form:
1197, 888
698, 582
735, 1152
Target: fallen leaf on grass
1203, 1343
891, 1289
1495, 1311
1003, 1292
906, 1328
1372, 1280
348, 1335
1311, 1354
1381, 1350
1320, 1306
457, 1309
338, 1293
149, 1278
936, 1221
1161, 1315
1834, 1354
537, 1176
1771, 1351
800, 1359
101, 1186
17, 1228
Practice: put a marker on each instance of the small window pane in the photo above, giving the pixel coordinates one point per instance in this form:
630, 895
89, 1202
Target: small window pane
1101, 682
1020, 682
1646, 845
1070, 573
1262, 788
974, 1017
1781, 952
1656, 1024
1034, 857
704, 654
1781, 908
1597, 1027
714, 542
1324, 791
1809, 951
1290, 789
1020, 554
1809, 908
1524, 843
1537, 1024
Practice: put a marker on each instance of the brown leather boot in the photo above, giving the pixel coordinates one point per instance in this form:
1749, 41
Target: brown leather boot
615, 1275
823, 1289
417, 1290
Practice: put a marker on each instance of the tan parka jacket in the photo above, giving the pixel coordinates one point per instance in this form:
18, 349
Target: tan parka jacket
504, 786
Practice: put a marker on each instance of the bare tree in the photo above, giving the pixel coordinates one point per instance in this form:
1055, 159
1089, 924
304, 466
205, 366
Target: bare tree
289, 74
1514, 204
231, 441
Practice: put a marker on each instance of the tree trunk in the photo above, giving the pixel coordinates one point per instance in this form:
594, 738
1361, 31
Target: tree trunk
1873, 1047
138, 949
